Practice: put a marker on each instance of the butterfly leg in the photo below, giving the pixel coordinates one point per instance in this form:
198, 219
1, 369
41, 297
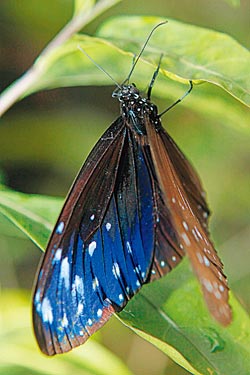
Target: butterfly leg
179, 100
153, 79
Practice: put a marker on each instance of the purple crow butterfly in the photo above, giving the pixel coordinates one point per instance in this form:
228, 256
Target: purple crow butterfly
135, 209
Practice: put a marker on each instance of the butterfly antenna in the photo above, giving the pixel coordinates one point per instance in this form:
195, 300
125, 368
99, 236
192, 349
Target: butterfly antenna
178, 100
99, 66
142, 50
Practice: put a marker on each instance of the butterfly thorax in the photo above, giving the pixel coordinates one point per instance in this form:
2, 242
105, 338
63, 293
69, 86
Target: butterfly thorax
136, 109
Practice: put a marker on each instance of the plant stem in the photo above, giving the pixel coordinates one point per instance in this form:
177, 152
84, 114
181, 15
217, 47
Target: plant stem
17, 90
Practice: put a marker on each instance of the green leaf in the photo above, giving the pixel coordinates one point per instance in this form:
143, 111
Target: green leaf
170, 313
20, 353
68, 66
34, 215
190, 52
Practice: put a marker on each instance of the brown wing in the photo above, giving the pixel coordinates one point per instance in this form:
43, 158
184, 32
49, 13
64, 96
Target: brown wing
188, 178
186, 210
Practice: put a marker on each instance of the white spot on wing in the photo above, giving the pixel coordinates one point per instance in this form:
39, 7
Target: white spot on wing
79, 308
116, 270
79, 284
186, 239
37, 296
121, 298
199, 256
198, 233
195, 235
46, 309
92, 217
108, 226
220, 275
207, 251
185, 225
99, 313
207, 284
64, 274
60, 228
206, 261
90, 322
92, 247
58, 254
136, 270
221, 287
129, 247
217, 294
95, 283
65, 321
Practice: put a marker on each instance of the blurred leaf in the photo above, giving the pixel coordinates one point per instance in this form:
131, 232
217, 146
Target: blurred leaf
32, 214
20, 353
190, 52
170, 313
234, 3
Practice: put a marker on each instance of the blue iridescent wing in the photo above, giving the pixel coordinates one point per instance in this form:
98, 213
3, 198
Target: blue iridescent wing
101, 250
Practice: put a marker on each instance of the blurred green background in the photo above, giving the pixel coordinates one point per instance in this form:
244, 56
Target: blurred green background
45, 138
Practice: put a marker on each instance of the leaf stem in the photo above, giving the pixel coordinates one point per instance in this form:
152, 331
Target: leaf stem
17, 89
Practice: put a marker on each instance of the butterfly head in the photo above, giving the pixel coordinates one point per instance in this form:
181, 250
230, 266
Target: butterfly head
126, 93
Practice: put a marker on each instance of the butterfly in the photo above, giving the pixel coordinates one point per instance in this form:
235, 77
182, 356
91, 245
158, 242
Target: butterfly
136, 208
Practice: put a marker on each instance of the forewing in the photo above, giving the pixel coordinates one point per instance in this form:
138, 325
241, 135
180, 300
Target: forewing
101, 251
60, 290
187, 227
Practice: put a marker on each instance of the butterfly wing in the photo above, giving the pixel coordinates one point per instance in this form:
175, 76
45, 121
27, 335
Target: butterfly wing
180, 192
100, 252
188, 178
